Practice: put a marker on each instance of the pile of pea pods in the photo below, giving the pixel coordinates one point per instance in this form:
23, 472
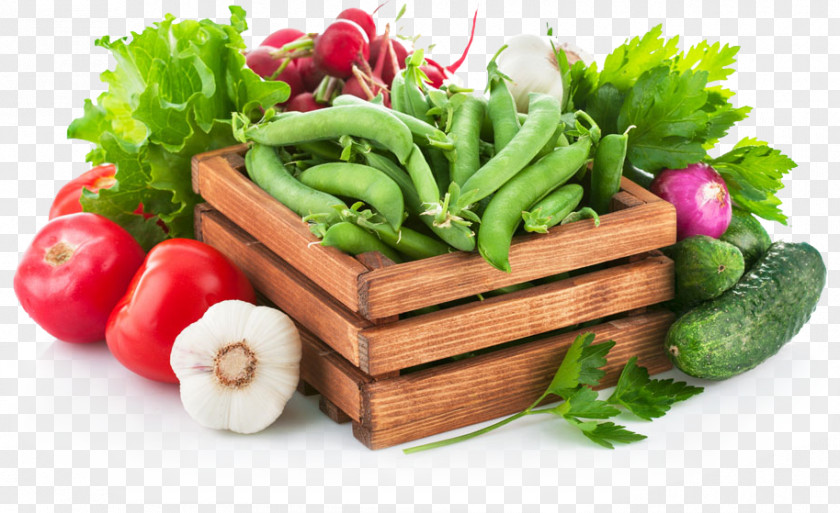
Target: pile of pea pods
441, 170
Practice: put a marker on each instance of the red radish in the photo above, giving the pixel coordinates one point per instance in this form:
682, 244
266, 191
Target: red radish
261, 61
700, 198
361, 18
341, 45
438, 73
309, 74
368, 84
304, 102
388, 70
281, 37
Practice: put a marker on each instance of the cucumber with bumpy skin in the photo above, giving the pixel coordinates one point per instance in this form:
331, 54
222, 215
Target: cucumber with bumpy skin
704, 268
751, 321
747, 234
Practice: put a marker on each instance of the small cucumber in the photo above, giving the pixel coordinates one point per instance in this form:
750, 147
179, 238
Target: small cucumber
751, 321
747, 234
704, 268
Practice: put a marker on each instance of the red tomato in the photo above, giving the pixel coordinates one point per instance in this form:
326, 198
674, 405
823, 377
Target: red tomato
178, 282
73, 274
67, 199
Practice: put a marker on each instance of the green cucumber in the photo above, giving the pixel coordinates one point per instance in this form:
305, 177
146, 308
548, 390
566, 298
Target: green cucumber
747, 234
704, 268
751, 321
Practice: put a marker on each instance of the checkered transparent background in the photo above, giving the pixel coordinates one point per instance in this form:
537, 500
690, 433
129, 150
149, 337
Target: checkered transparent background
76, 429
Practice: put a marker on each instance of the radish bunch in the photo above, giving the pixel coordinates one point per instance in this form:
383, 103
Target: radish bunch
348, 57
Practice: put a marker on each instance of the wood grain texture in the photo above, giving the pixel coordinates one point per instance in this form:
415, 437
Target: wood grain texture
333, 376
201, 157
280, 229
284, 286
412, 285
638, 191
517, 315
332, 411
488, 386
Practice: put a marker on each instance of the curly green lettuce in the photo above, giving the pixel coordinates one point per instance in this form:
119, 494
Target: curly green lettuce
170, 96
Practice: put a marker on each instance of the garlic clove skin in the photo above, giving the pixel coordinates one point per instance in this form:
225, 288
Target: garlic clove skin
238, 366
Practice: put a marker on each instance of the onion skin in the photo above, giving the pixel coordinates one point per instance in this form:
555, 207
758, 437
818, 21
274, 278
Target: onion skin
700, 197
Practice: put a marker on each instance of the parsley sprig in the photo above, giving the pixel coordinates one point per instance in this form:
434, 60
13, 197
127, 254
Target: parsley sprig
580, 370
680, 109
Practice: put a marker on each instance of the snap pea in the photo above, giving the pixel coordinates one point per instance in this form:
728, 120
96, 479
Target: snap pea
397, 95
355, 240
267, 170
504, 213
440, 166
361, 182
324, 149
398, 175
552, 209
408, 242
331, 123
422, 132
501, 107
465, 133
606, 171
414, 100
544, 115
422, 178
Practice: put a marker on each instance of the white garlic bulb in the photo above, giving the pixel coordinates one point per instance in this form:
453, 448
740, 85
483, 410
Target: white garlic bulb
238, 366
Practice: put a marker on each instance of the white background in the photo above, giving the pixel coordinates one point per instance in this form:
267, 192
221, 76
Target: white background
76, 428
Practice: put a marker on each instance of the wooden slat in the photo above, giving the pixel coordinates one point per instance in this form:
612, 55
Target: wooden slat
331, 375
285, 286
201, 157
280, 229
432, 281
488, 386
481, 324
638, 191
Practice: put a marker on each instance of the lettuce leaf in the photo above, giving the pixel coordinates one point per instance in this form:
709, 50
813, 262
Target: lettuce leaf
170, 96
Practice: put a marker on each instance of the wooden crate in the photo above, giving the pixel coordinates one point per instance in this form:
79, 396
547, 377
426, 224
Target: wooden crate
361, 354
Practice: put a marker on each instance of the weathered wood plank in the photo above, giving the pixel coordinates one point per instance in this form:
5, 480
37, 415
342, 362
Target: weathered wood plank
280, 229
488, 386
331, 375
481, 324
412, 285
284, 286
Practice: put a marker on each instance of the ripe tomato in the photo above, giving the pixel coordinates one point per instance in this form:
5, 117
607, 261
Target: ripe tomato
67, 200
178, 282
75, 271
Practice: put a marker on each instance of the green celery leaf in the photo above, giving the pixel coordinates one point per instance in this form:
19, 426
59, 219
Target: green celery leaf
722, 115
566, 377
606, 433
627, 63
646, 398
592, 358
583, 80
753, 173
714, 59
666, 108
584, 403
604, 105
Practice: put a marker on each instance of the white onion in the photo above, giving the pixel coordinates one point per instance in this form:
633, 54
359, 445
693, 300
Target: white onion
530, 63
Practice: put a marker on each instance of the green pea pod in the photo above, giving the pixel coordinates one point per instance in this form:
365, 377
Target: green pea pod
354, 240
267, 170
466, 124
543, 116
408, 242
363, 121
423, 179
423, 133
504, 213
459, 237
551, 210
397, 94
501, 107
361, 182
606, 171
